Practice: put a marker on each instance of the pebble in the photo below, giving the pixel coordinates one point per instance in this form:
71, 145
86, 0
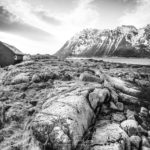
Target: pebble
105, 109
120, 106
145, 142
130, 114
142, 131
135, 142
144, 112
130, 126
118, 117
113, 106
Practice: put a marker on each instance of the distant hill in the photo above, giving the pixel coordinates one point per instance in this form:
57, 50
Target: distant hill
124, 41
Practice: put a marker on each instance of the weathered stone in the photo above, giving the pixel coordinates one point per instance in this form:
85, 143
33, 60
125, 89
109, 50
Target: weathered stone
111, 146
102, 122
103, 117
144, 112
149, 133
130, 114
60, 122
145, 124
3, 98
66, 118
105, 109
145, 148
36, 78
20, 78
130, 126
113, 106
1, 138
145, 142
107, 134
114, 96
120, 106
119, 117
90, 78
128, 99
142, 82
138, 118
142, 131
123, 86
98, 96
135, 142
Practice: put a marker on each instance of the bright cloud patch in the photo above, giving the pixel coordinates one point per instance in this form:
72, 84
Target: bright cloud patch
140, 16
49, 23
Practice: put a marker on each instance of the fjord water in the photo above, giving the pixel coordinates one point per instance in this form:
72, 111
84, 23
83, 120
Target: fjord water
137, 61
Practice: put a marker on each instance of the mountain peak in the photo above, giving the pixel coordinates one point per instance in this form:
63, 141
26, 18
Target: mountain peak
124, 41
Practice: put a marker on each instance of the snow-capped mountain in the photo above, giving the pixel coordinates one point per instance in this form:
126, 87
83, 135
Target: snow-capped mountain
124, 41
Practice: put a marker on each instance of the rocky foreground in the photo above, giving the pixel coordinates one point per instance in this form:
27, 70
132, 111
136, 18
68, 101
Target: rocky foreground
51, 104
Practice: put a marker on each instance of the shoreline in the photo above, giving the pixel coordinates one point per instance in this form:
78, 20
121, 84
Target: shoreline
122, 60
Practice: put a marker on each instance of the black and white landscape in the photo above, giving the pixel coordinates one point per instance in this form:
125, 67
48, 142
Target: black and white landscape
124, 41
74, 75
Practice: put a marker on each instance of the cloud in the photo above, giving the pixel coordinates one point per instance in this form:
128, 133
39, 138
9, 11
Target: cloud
43, 15
125, 1
28, 45
128, 1
23, 12
138, 17
5, 16
84, 16
40, 23
10, 23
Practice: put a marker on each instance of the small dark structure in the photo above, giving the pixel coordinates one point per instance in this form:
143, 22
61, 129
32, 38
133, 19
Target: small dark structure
9, 55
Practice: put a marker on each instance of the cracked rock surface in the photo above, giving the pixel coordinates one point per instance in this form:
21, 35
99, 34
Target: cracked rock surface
52, 104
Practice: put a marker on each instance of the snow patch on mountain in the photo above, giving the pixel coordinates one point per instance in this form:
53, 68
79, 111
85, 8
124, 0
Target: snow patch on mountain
123, 41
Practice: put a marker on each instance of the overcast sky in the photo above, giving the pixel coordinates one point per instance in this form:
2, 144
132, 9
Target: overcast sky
43, 26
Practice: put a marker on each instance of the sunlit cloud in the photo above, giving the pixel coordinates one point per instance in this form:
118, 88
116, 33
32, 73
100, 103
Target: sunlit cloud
61, 25
138, 17
50, 23
44, 16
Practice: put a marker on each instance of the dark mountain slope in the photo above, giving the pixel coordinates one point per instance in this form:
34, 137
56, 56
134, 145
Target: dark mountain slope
124, 41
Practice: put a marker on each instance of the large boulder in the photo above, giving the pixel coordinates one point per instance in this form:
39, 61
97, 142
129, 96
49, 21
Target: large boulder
20, 78
91, 78
145, 142
128, 99
110, 136
98, 96
118, 117
130, 126
111, 146
123, 86
144, 112
63, 122
135, 142
130, 114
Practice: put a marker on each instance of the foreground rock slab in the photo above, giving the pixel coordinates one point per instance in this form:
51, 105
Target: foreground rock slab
110, 136
64, 119
44, 104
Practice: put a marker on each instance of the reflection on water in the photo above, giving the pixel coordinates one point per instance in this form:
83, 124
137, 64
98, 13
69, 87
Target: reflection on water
139, 61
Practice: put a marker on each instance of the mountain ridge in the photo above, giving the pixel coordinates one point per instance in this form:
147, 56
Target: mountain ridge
124, 41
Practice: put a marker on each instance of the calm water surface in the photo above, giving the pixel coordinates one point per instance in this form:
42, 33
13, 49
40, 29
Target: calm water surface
138, 61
